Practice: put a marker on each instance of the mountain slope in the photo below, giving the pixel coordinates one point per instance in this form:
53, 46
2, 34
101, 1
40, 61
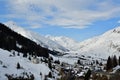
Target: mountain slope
68, 43
10, 40
101, 46
8, 66
41, 40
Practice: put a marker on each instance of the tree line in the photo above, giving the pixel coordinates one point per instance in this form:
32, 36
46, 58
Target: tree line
112, 62
9, 40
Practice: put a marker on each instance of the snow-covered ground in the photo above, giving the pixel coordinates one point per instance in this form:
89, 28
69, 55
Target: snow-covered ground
8, 66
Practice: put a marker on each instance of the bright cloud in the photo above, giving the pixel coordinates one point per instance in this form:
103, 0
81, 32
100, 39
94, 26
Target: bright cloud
64, 13
118, 22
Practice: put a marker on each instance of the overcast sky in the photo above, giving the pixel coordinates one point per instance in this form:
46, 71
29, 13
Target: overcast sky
77, 19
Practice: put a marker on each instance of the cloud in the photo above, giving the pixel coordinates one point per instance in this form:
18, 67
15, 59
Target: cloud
35, 25
64, 13
118, 22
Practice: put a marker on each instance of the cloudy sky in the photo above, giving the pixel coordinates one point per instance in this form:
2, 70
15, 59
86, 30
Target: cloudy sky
77, 19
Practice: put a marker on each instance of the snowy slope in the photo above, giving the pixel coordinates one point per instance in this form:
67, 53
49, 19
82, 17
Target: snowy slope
68, 43
8, 66
101, 46
47, 43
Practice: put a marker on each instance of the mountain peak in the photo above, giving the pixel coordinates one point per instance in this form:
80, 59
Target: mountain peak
39, 39
12, 23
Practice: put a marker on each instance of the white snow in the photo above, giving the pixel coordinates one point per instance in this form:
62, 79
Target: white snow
81, 74
101, 46
115, 69
28, 66
68, 43
18, 45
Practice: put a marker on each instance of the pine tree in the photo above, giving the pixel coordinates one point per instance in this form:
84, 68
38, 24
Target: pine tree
109, 63
79, 62
115, 61
97, 62
29, 58
25, 55
87, 76
18, 54
32, 77
41, 75
119, 60
18, 66
49, 64
50, 75
13, 53
101, 64
57, 61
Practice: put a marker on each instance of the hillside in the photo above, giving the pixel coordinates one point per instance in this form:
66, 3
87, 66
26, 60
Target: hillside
9, 63
68, 43
40, 40
10, 40
107, 44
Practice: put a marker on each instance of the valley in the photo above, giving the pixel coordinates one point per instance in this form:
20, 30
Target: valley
25, 55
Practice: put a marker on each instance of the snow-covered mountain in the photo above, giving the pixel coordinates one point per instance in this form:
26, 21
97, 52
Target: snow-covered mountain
44, 42
68, 43
101, 46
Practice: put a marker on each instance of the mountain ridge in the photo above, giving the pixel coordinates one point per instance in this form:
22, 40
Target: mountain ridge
107, 44
11, 40
41, 40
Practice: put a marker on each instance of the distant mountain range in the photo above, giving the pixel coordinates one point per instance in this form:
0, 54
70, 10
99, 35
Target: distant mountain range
101, 46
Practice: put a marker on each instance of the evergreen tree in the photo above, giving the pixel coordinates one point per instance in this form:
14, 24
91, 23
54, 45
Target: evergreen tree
18, 54
87, 76
41, 75
50, 75
13, 53
32, 77
109, 63
25, 55
51, 58
57, 61
97, 62
101, 64
115, 61
18, 66
79, 62
49, 64
119, 60
29, 58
